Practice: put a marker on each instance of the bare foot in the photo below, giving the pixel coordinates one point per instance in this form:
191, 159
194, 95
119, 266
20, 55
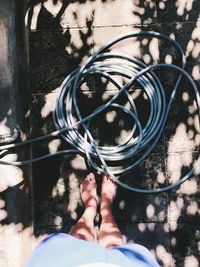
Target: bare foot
108, 190
84, 228
88, 191
109, 233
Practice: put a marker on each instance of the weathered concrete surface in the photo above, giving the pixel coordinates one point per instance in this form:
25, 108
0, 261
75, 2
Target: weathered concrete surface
62, 35
8, 123
62, 40
16, 238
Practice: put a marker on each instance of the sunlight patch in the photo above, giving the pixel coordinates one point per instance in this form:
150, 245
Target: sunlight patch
180, 140
183, 6
192, 208
191, 261
50, 103
165, 256
189, 187
196, 72
54, 145
154, 49
150, 211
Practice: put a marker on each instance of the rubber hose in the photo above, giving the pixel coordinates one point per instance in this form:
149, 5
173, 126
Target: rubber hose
142, 139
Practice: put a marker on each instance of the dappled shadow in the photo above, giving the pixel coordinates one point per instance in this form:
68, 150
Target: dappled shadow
50, 41
13, 72
62, 36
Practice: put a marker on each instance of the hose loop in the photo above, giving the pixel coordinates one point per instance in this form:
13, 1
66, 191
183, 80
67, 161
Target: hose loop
142, 138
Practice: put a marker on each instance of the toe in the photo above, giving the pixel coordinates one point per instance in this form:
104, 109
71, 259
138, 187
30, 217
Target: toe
89, 182
104, 178
91, 178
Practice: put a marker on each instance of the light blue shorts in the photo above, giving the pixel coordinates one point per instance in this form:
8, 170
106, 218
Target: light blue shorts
63, 250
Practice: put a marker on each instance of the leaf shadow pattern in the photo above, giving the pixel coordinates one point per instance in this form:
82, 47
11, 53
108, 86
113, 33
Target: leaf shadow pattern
141, 218
155, 221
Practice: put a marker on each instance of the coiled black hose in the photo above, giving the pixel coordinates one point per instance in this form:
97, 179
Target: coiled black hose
141, 140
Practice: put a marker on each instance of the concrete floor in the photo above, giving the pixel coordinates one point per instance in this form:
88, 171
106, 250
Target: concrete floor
166, 223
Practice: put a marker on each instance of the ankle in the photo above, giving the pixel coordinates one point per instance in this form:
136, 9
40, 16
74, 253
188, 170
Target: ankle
106, 204
105, 210
90, 213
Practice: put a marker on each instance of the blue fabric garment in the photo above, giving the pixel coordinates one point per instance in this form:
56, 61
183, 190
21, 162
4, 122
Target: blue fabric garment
63, 250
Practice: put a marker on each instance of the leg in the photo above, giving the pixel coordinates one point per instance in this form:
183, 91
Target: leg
84, 228
109, 233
